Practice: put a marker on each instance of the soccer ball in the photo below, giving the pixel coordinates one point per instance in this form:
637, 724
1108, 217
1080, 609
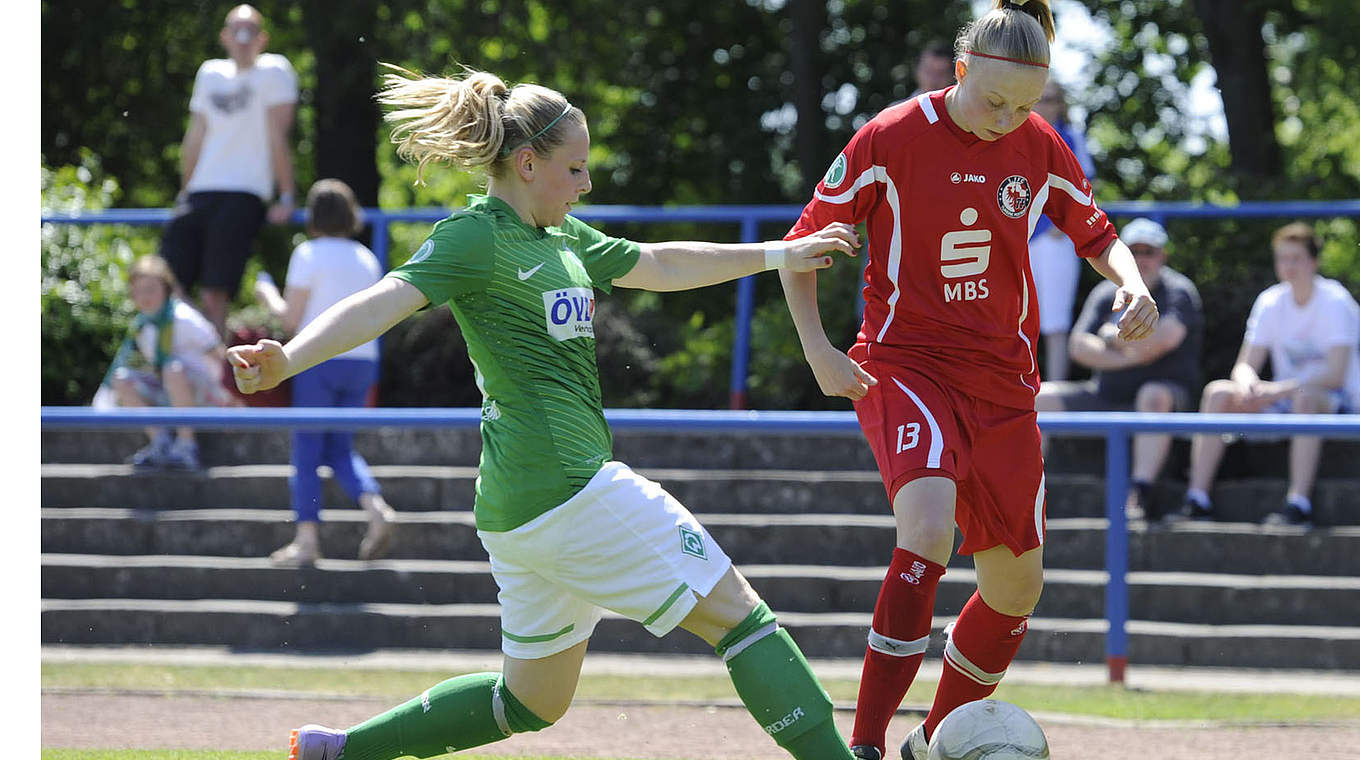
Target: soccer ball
988, 730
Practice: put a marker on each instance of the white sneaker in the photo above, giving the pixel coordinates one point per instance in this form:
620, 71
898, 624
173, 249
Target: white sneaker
916, 746
313, 742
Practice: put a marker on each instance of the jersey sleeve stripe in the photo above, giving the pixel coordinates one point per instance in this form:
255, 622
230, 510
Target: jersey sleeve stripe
1063, 184
862, 181
927, 107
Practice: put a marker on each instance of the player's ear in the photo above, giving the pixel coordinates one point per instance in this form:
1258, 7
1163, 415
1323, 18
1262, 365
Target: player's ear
524, 163
960, 70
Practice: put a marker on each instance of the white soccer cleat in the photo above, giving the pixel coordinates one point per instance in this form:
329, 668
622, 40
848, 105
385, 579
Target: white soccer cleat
313, 742
916, 746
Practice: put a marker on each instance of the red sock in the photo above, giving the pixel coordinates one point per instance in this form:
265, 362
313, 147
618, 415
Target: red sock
897, 643
980, 648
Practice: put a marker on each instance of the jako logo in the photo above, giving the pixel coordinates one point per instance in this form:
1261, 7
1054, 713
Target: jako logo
913, 575
785, 722
1019, 629
974, 178
570, 313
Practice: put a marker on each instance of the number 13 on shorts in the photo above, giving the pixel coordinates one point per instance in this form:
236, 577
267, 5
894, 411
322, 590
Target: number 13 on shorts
908, 436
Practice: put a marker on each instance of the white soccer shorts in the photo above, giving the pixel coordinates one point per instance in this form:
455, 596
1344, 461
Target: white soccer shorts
621, 544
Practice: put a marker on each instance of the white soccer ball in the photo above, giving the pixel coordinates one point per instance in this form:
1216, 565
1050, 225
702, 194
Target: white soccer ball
988, 730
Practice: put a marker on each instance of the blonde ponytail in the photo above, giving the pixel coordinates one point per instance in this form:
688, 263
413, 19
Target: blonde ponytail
1018, 31
472, 121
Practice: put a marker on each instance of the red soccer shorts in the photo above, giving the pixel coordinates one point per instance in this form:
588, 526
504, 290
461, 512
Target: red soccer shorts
918, 427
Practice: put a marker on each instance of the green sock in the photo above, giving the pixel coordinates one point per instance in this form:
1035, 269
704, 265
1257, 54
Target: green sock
778, 688
457, 714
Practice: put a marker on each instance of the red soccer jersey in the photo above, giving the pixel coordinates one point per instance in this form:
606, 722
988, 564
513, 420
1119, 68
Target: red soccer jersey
948, 285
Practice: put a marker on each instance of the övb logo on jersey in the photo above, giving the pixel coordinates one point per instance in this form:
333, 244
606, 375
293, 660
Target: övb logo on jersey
422, 253
692, 543
836, 174
570, 312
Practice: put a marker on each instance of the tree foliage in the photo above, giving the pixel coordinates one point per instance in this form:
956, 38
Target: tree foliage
743, 102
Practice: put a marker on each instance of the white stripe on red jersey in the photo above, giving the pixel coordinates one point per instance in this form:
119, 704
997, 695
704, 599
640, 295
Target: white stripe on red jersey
949, 217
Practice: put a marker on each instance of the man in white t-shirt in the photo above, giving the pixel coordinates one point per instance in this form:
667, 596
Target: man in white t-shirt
236, 153
1309, 328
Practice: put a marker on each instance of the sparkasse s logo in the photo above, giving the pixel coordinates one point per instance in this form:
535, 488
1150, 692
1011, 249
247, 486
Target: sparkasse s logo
836, 174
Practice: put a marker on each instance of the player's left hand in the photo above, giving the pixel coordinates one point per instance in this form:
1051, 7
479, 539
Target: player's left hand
808, 253
1139, 317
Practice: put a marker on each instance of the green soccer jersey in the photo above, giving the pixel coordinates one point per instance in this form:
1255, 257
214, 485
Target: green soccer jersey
524, 298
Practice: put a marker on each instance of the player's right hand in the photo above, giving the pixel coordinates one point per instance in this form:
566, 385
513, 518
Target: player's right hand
839, 375
258, 367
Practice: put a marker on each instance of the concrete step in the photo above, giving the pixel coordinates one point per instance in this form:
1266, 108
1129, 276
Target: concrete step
1249, 458
274, 625
462, 447
427, 487
1210, 598
813, 539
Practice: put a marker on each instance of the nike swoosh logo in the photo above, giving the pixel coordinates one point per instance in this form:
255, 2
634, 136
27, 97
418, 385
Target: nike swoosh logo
523, 275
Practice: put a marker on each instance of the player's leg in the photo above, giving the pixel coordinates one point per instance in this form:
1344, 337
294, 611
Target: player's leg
768, 669
544, 632
1001, 512
460, 713
909, 424
900, 633
986, 636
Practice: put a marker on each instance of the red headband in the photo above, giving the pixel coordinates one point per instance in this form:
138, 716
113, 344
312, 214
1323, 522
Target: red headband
1009, 60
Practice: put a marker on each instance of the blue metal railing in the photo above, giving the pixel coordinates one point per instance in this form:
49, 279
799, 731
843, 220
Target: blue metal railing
1114, 427
750, 218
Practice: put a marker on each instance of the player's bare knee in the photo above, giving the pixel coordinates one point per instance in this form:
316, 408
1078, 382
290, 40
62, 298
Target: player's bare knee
548, 698
726, 606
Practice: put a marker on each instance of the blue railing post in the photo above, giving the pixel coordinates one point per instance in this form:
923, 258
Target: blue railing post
381, 236
1116, 552
741, 342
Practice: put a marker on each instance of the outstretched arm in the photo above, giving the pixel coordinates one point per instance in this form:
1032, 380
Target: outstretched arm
351, 322
682, 265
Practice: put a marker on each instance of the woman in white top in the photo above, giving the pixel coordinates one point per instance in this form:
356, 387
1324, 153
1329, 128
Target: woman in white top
321, 272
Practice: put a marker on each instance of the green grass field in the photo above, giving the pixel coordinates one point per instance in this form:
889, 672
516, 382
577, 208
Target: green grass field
1102, 701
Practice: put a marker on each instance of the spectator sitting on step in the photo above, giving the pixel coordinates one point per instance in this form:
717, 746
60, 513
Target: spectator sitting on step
1308, 326
1157, 374
172, 356
321, 272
